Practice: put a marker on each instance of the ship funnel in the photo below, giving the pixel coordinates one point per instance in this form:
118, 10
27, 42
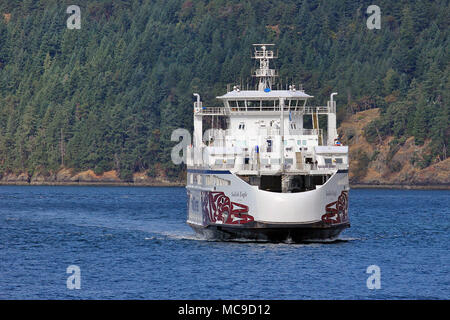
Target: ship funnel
198, 128
198, 104
332, 95
332, 132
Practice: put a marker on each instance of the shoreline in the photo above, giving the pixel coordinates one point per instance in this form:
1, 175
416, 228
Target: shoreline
92, 183
181, 184
401, 186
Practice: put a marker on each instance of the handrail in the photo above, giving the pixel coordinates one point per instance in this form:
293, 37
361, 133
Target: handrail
236, 109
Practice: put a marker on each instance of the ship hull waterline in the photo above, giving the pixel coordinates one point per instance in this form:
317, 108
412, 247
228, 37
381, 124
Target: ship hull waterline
288, 233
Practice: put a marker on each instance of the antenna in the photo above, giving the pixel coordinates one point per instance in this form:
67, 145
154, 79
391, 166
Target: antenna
264, 73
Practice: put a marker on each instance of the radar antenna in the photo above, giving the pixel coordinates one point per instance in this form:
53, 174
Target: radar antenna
264, 74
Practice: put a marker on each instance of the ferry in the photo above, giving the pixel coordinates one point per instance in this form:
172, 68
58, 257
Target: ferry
256, 173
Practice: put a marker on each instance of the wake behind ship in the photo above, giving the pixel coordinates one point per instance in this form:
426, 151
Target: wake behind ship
256, 173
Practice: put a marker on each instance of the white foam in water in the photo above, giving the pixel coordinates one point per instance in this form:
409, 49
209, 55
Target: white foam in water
337, 239
176, 236
349, 239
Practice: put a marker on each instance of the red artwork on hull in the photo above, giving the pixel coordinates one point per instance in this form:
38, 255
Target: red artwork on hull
218, 208
337, 211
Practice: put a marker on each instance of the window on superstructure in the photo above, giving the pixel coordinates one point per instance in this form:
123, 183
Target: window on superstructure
338, 160
253, 105
221, 182
241, 104
241, 126
276, 104
269, 104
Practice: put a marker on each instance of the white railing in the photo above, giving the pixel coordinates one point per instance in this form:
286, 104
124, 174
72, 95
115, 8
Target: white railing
265, 72
259, 54
213, 111
270, 167
265, 164
253, 108
333, 166
318, 109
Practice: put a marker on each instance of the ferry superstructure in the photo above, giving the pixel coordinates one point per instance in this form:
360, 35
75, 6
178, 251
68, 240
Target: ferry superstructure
257, 174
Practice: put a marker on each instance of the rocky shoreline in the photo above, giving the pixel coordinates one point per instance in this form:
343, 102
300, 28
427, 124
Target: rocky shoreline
93, 183
180, 184
165, 183
67, 177
436, 178
401, 186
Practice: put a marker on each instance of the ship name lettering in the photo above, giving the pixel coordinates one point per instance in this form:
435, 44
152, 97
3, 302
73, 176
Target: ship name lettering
239, 194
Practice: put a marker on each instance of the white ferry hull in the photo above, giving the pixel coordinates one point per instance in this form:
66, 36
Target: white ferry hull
239, 211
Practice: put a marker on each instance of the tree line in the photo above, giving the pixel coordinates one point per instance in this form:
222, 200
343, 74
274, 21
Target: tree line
108, 96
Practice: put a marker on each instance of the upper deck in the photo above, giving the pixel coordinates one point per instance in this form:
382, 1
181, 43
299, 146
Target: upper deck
265, 95
261, 132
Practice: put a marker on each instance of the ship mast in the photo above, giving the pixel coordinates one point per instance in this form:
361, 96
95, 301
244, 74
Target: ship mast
264, 74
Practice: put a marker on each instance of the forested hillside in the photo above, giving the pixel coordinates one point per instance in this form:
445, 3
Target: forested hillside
107, 96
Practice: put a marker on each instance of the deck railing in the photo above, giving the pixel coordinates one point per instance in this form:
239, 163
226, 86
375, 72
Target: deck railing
270, 167
240, 109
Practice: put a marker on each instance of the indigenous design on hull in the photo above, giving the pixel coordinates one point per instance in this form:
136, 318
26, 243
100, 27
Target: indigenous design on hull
218, 208
337, 211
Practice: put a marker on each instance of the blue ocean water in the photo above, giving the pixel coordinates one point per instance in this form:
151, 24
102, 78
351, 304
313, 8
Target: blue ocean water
133, 243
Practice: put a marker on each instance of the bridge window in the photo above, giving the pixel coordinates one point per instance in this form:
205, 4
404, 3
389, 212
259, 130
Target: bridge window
239, 104
270, 104
253, 104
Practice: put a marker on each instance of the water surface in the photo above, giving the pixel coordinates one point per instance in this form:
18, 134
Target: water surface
133, 243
